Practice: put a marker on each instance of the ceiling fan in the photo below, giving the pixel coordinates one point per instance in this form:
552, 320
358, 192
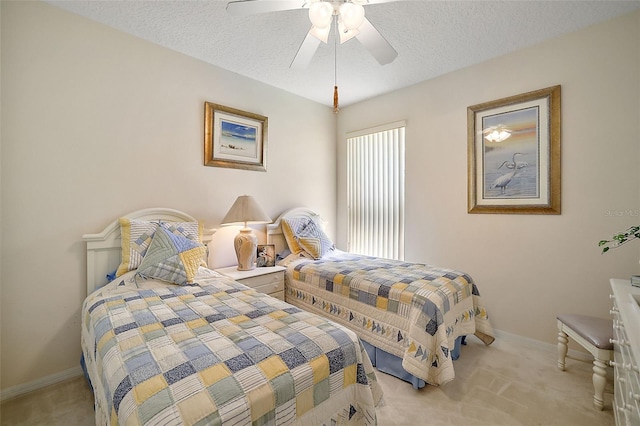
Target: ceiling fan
346, 15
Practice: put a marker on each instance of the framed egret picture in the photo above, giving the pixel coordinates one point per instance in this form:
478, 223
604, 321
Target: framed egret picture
234, 138
514, 154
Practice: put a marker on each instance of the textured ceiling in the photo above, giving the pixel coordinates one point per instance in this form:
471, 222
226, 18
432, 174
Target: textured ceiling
432, 38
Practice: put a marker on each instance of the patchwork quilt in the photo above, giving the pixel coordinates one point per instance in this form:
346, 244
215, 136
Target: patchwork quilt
218, 353
413, 311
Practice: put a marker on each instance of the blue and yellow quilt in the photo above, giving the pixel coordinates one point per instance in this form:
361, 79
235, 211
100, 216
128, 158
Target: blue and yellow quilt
218, 353
413, 311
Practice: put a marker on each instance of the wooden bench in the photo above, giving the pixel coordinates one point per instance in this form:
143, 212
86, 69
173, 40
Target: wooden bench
593, 334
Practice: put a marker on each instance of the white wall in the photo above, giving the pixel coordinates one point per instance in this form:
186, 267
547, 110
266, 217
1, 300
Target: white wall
97, 123
528, 268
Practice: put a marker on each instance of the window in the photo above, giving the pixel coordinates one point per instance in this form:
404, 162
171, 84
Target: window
375, 191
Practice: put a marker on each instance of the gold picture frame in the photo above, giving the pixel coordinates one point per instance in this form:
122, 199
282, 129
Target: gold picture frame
514, 154
234, 138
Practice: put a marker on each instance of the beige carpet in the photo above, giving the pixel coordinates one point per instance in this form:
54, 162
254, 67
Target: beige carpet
511, 382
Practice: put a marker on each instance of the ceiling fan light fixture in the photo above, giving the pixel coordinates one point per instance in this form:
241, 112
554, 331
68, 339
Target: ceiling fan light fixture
321, 34
345, 33
321, 14
351, 15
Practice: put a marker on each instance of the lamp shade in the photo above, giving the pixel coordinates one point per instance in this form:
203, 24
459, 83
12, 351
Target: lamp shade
321, 34
245, 210
321, 14
351, 15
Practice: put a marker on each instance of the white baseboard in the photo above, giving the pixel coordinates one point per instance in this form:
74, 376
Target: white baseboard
549, 347
14, 391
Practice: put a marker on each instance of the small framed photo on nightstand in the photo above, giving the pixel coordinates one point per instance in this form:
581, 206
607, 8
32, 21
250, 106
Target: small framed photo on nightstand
266, 255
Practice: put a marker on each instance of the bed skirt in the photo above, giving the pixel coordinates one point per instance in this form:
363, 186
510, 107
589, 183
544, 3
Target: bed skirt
391, 364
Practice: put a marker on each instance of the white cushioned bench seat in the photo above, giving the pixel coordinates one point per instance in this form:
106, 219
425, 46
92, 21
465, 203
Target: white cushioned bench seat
593, 334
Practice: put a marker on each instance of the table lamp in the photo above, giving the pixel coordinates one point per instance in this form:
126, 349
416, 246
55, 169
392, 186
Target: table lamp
243, 211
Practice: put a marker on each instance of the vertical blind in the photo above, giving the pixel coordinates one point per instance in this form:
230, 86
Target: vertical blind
375, 191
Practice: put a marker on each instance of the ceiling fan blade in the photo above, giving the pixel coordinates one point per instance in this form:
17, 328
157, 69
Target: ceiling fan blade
379, 47
254, 7
305, 52
366, 2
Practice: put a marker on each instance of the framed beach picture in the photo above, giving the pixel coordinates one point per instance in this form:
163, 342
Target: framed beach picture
234, 138
266, 255
514, 154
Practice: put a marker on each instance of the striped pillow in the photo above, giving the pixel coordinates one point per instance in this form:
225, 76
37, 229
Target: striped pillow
136, 237
291, 228
314, 241
172, 257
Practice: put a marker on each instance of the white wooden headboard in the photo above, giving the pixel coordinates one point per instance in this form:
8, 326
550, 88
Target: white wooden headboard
274, 230
104, 248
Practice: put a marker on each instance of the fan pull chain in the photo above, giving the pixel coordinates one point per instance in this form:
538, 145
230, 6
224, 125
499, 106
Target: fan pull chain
336, 106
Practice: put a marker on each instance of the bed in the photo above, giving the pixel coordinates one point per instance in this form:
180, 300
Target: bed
412, 318
171, 342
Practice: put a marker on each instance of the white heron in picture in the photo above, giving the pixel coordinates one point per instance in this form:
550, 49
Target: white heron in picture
513, 164
506, 179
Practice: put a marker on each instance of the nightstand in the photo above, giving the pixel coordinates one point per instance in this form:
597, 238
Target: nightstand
268, 280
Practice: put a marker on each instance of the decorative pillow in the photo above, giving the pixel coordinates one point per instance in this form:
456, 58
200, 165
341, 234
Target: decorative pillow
137, 235
291, 228
314, 241
172, 257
